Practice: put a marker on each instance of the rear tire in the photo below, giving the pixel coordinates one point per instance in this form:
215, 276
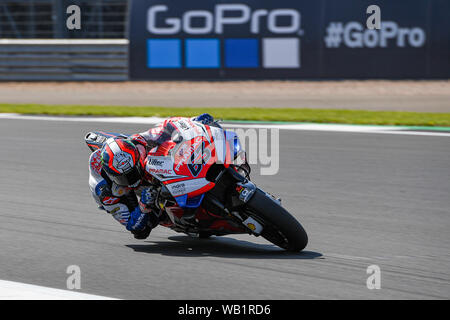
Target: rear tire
280, 227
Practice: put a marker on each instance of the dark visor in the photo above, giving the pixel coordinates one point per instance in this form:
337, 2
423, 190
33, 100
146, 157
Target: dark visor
128, 179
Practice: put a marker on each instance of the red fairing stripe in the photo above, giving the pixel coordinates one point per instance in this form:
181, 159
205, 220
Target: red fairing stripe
208, 129
177, 180
111, 155
93, 146
107, 134
228, 156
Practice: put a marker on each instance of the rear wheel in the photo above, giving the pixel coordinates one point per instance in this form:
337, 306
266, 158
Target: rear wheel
280, 227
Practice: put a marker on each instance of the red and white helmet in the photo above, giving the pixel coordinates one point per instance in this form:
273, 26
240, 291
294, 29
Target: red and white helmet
122, 163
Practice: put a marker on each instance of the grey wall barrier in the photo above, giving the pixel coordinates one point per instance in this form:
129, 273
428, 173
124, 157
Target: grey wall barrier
63, 60
288, 39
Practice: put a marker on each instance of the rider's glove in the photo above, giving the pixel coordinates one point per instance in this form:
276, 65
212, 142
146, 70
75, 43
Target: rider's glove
141, 224
204, 118
140, 235
147, 200
137, 221
147, 205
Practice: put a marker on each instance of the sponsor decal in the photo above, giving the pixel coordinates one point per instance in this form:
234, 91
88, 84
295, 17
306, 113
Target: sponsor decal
253, 225
161, 171
279, 50
183, 125
354, 35
138, 223
178, 186
215, 21
245, 190
177, 189
156, 162
199, 155
159, 166
181, 188
189, 152
113, 211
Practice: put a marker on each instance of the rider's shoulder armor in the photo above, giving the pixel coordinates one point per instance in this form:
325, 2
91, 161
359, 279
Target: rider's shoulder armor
95, 162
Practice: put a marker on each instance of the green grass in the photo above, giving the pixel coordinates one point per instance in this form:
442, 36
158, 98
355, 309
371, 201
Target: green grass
246, 114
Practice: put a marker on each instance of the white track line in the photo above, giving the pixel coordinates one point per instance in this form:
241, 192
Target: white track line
298, 127
10, 290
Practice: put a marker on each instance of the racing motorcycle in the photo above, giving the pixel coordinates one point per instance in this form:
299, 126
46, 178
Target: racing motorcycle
204, 188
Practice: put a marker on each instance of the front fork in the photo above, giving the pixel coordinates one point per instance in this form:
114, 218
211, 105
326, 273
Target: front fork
245, 189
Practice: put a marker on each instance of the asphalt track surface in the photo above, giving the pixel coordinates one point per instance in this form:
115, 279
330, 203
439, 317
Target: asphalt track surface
363, 198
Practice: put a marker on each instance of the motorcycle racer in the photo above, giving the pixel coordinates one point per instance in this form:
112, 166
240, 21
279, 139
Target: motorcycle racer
119, 183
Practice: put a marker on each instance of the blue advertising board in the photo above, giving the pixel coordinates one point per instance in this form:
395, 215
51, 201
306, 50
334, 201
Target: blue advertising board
288, 39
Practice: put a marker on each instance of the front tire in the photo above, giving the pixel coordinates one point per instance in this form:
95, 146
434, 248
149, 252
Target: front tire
280, 227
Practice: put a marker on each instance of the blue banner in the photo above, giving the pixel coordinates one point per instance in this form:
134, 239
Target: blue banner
288, 39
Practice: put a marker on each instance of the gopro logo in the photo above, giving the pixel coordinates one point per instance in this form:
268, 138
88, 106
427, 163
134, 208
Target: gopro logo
280, 47
354, 35
215, 22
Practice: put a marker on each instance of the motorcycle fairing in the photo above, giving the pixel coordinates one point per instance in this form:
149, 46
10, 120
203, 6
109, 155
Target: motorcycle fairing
184, 169
190, 202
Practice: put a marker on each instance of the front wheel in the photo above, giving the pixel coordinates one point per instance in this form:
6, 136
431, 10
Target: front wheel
280, 227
